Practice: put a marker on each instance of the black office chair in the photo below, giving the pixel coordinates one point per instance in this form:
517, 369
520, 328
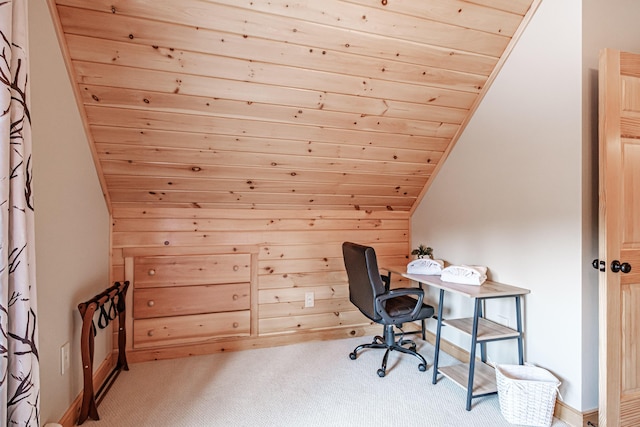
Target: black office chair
371, 293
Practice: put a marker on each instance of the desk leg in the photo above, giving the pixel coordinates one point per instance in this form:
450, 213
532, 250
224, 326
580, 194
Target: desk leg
423, 322
483, 344
438, 329
472, 355
519, 326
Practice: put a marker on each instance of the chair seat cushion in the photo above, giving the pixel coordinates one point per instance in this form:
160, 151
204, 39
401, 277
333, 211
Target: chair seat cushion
403, 306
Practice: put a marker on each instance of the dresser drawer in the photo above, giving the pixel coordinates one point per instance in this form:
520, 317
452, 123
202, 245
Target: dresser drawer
182, 300
189, 329
157, 271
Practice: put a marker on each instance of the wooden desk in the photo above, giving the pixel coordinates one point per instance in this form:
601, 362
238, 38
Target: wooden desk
478, 380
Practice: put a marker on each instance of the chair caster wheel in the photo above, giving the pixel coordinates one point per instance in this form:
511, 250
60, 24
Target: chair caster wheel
381, 373
422, 367
352, 356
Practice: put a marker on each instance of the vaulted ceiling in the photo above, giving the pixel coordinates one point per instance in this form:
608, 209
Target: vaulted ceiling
279, 104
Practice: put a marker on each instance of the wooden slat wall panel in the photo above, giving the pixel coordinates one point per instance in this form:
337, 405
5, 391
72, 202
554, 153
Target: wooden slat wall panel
273, 149
364, 130
297, 252
296, 100
105, 116
367, 161
248, 92
274, 224
126, 182
251, 174
269, 296
291, 324
315, 265
282, 252
274, 204
117, 265
385, 51
255, 199
514, 6
297, 308
359, 107
377, 20
393, 148
258, 237
457, 12
302, 280
308, 22
164, 213
220, 157
231, 47
194, 64
326, 116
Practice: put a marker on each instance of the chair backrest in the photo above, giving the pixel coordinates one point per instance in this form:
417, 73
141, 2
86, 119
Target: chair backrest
365, 283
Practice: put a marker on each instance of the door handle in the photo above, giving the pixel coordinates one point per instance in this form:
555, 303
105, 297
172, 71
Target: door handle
616, 266
599, 265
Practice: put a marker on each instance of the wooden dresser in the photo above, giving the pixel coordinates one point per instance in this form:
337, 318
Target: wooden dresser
187, 299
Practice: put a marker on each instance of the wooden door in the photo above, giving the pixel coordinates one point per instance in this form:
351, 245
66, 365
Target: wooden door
619, 239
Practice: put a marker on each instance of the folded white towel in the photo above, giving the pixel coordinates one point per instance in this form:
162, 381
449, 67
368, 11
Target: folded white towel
465, 274
428, 266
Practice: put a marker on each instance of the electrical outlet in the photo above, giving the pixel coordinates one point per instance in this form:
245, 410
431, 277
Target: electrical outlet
308, 299
65, 362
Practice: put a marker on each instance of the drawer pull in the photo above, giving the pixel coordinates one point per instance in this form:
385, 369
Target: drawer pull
151, 303
235, 324
235, 297
150, 332
152, 272
236, 267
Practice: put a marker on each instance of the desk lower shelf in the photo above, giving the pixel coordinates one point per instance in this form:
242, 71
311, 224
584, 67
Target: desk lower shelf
484, 379
487, 330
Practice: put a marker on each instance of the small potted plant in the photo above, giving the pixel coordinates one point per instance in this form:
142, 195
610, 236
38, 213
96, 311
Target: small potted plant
423, 251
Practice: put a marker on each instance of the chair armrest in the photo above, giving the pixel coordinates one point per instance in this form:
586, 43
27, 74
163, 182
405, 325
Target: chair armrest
394, 293
386, 278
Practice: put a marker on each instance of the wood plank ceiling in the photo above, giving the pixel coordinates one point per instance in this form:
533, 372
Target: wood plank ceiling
279, 104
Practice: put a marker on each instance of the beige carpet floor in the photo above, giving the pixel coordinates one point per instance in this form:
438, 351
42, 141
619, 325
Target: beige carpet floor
308, 384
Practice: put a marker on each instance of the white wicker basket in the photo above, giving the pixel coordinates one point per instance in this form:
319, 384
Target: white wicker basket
527, 394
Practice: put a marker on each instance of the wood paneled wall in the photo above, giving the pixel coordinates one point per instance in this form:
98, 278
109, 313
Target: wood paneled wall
293, 252
272, 104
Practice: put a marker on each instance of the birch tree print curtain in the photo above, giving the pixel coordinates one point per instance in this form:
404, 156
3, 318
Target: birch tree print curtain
19, 363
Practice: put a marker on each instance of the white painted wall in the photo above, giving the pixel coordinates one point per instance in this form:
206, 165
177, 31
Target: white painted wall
72, 222
510, 196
